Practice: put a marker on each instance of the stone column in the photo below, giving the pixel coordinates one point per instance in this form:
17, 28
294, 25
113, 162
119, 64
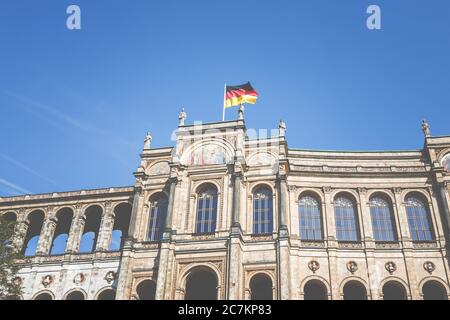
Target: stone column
106, 228
77, 234
46, 236
235, 216
407, 244
164, 255
168, 223
20, 234
445, 199
284, 206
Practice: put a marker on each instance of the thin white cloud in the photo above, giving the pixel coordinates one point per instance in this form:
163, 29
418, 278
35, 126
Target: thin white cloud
26, 168
14, 187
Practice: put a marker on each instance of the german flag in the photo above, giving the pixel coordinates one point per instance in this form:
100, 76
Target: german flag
237, 95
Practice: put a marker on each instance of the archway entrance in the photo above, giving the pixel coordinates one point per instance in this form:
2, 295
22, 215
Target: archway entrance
201, 284
146, 290
108, 294
261, 287
315, 290
393, 290
75, 295
44, 296
354, 290
433, 290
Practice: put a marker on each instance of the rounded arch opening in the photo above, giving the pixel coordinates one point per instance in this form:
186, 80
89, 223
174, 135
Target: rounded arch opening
261, 287
91, 228
121, 225
64, 221
146, 290
434, 290
75, 295
201, 284
107, 294
393, 290
157, 216
36, 221
354, 290
207, 198
43, 296
315, 290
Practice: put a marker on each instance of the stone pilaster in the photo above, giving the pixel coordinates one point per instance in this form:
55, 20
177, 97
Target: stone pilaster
284, 206
106, 229
46, 236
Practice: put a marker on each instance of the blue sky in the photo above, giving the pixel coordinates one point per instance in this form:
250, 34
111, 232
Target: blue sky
75, 105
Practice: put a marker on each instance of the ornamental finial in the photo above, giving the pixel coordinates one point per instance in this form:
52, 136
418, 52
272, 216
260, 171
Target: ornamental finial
182, 117
426, 128
148, 141
241, 112
282, 128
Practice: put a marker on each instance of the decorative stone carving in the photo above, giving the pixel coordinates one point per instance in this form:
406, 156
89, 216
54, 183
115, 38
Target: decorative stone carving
47, 281
426, 128
391, 267
160, 168
110, 277
148, 141
446, 162
362, 190
18, 281
282, 128
352, 266
327, 189
79, 279
182, 117
313, 266
429, 267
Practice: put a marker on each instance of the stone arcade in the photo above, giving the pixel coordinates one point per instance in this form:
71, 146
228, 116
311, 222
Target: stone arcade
222, 216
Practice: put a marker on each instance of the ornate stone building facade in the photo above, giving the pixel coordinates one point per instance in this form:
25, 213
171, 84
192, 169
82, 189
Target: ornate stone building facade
223, 215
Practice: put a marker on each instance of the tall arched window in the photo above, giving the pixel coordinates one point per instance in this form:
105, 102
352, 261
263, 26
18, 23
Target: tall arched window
206, 209
382, 220
418, 220
36, 221
64, 221
346, 222
157, 218
121, 225
310, 218
262, 211
91, 229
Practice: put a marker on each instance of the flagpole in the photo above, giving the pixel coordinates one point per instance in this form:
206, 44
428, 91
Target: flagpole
224, 94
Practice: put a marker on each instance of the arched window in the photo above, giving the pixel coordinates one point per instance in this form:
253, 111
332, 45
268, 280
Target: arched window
36, 220
393, 290
61, 235
75, 295
201, 284
44, 296
261, 287
206, 209
157, 218
382, 220
315, 290
91, 228
310, 218
262, 211
146, 290
121, 224
433, 290
354, 290
418, 220
346, 222
108, 294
